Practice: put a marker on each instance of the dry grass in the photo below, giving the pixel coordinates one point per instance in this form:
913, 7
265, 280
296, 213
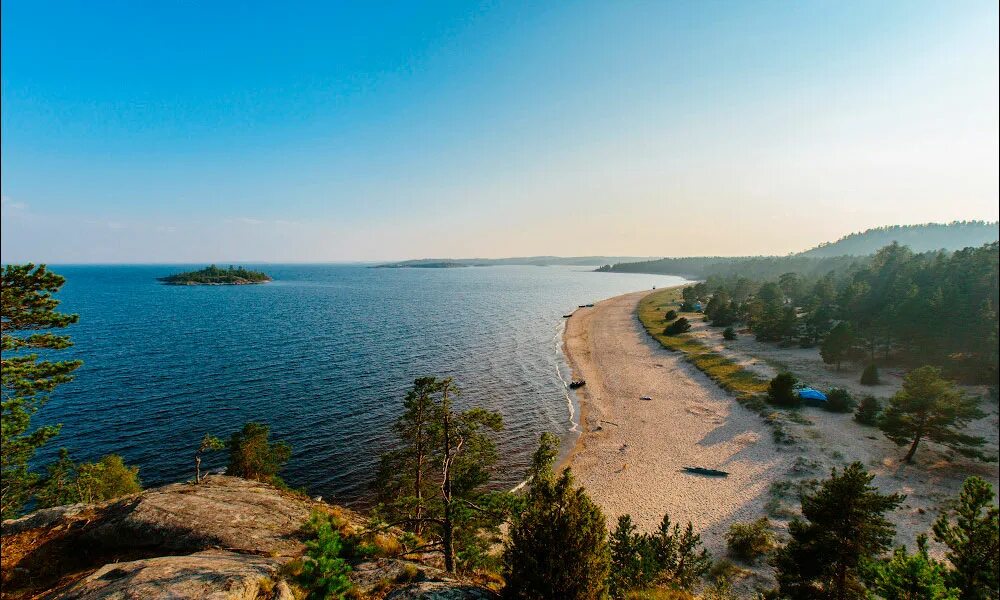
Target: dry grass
729, 375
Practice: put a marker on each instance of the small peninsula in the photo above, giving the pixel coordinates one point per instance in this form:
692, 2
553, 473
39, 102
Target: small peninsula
213, 275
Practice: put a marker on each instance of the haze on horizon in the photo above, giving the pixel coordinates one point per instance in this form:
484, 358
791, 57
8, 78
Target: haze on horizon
145, 132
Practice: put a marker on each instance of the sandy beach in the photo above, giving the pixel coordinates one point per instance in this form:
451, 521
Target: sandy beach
631, 452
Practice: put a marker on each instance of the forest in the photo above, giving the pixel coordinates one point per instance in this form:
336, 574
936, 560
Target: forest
897, 306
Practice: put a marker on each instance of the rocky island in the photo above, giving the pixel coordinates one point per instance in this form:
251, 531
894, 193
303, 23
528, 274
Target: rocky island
213, 275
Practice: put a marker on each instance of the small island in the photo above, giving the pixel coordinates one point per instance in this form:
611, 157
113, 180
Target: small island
213, 275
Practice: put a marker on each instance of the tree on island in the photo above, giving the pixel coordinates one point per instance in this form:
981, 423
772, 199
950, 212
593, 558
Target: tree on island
558, 544
28, 315
972, 541
844, 527
931, 407
435, 482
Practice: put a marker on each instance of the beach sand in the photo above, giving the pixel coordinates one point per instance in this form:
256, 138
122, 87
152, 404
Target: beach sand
631, 452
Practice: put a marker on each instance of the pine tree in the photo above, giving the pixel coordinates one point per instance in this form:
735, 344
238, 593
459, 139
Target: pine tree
972, 541
28, 315
844, 526
209, 443
837, 344
253, 456
911, 576
435, 483
558, 544
933, 408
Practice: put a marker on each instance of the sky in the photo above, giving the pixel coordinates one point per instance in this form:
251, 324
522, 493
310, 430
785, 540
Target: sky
285, 132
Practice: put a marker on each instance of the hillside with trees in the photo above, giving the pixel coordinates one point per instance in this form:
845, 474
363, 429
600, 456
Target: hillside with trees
925, 237
839, 256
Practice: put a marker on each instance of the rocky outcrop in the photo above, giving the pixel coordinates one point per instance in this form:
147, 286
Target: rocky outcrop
226, 539
214, 574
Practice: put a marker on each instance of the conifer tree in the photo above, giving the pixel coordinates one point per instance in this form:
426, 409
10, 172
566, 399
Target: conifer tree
931, 407
837, 344
252, 455
558, 544
435, 483
844, 527
972, 541
28, 316
914, 576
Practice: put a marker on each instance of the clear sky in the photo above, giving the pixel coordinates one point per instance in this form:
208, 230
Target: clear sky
280, 131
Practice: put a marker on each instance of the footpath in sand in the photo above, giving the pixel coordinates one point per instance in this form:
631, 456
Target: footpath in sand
631, 454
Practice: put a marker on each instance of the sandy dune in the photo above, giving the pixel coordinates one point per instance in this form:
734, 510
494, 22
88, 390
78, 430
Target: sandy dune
631, 453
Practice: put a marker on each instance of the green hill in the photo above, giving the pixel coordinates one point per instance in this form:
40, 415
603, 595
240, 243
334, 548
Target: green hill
919, 238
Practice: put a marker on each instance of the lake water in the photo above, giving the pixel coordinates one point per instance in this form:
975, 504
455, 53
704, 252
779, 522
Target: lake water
323, 354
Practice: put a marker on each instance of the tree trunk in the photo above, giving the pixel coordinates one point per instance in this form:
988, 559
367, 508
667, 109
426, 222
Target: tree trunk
841, 581
447, 527
913, 448
418, 476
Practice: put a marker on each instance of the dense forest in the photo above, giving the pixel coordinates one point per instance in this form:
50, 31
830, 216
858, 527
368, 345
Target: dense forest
937, 308
213, 275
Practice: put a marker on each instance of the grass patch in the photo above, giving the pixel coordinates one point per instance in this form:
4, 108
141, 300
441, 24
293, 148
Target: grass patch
726, 373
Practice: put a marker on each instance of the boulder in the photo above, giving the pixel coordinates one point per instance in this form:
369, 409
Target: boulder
221, 512
213, 574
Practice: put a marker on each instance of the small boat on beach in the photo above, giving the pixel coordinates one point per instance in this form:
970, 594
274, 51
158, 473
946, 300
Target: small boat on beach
577, 383
704, 471
645, 398
567, 316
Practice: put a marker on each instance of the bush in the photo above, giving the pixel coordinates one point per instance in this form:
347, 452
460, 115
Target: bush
679, 326
670, 315
781, 390
839, 400
556, 515
868, 411
68, 482
870, 375
749, 541
253, 456
729, 333
324, 572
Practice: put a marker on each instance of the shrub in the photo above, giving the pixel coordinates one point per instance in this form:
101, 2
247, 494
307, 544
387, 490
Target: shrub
68, 482
556, 515
324, 572
868, 411
729, 333
781, 390
253, 456
749, 541
679, 326
670, 315
870, 375
839, 400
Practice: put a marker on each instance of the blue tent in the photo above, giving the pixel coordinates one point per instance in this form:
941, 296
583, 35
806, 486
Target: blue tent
811, 394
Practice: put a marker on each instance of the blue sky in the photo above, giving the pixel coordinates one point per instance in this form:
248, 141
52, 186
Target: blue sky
181, 131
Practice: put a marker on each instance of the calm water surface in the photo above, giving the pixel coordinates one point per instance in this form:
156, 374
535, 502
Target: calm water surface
324, 354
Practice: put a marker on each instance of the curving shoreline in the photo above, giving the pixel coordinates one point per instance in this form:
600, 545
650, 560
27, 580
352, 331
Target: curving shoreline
631, 452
